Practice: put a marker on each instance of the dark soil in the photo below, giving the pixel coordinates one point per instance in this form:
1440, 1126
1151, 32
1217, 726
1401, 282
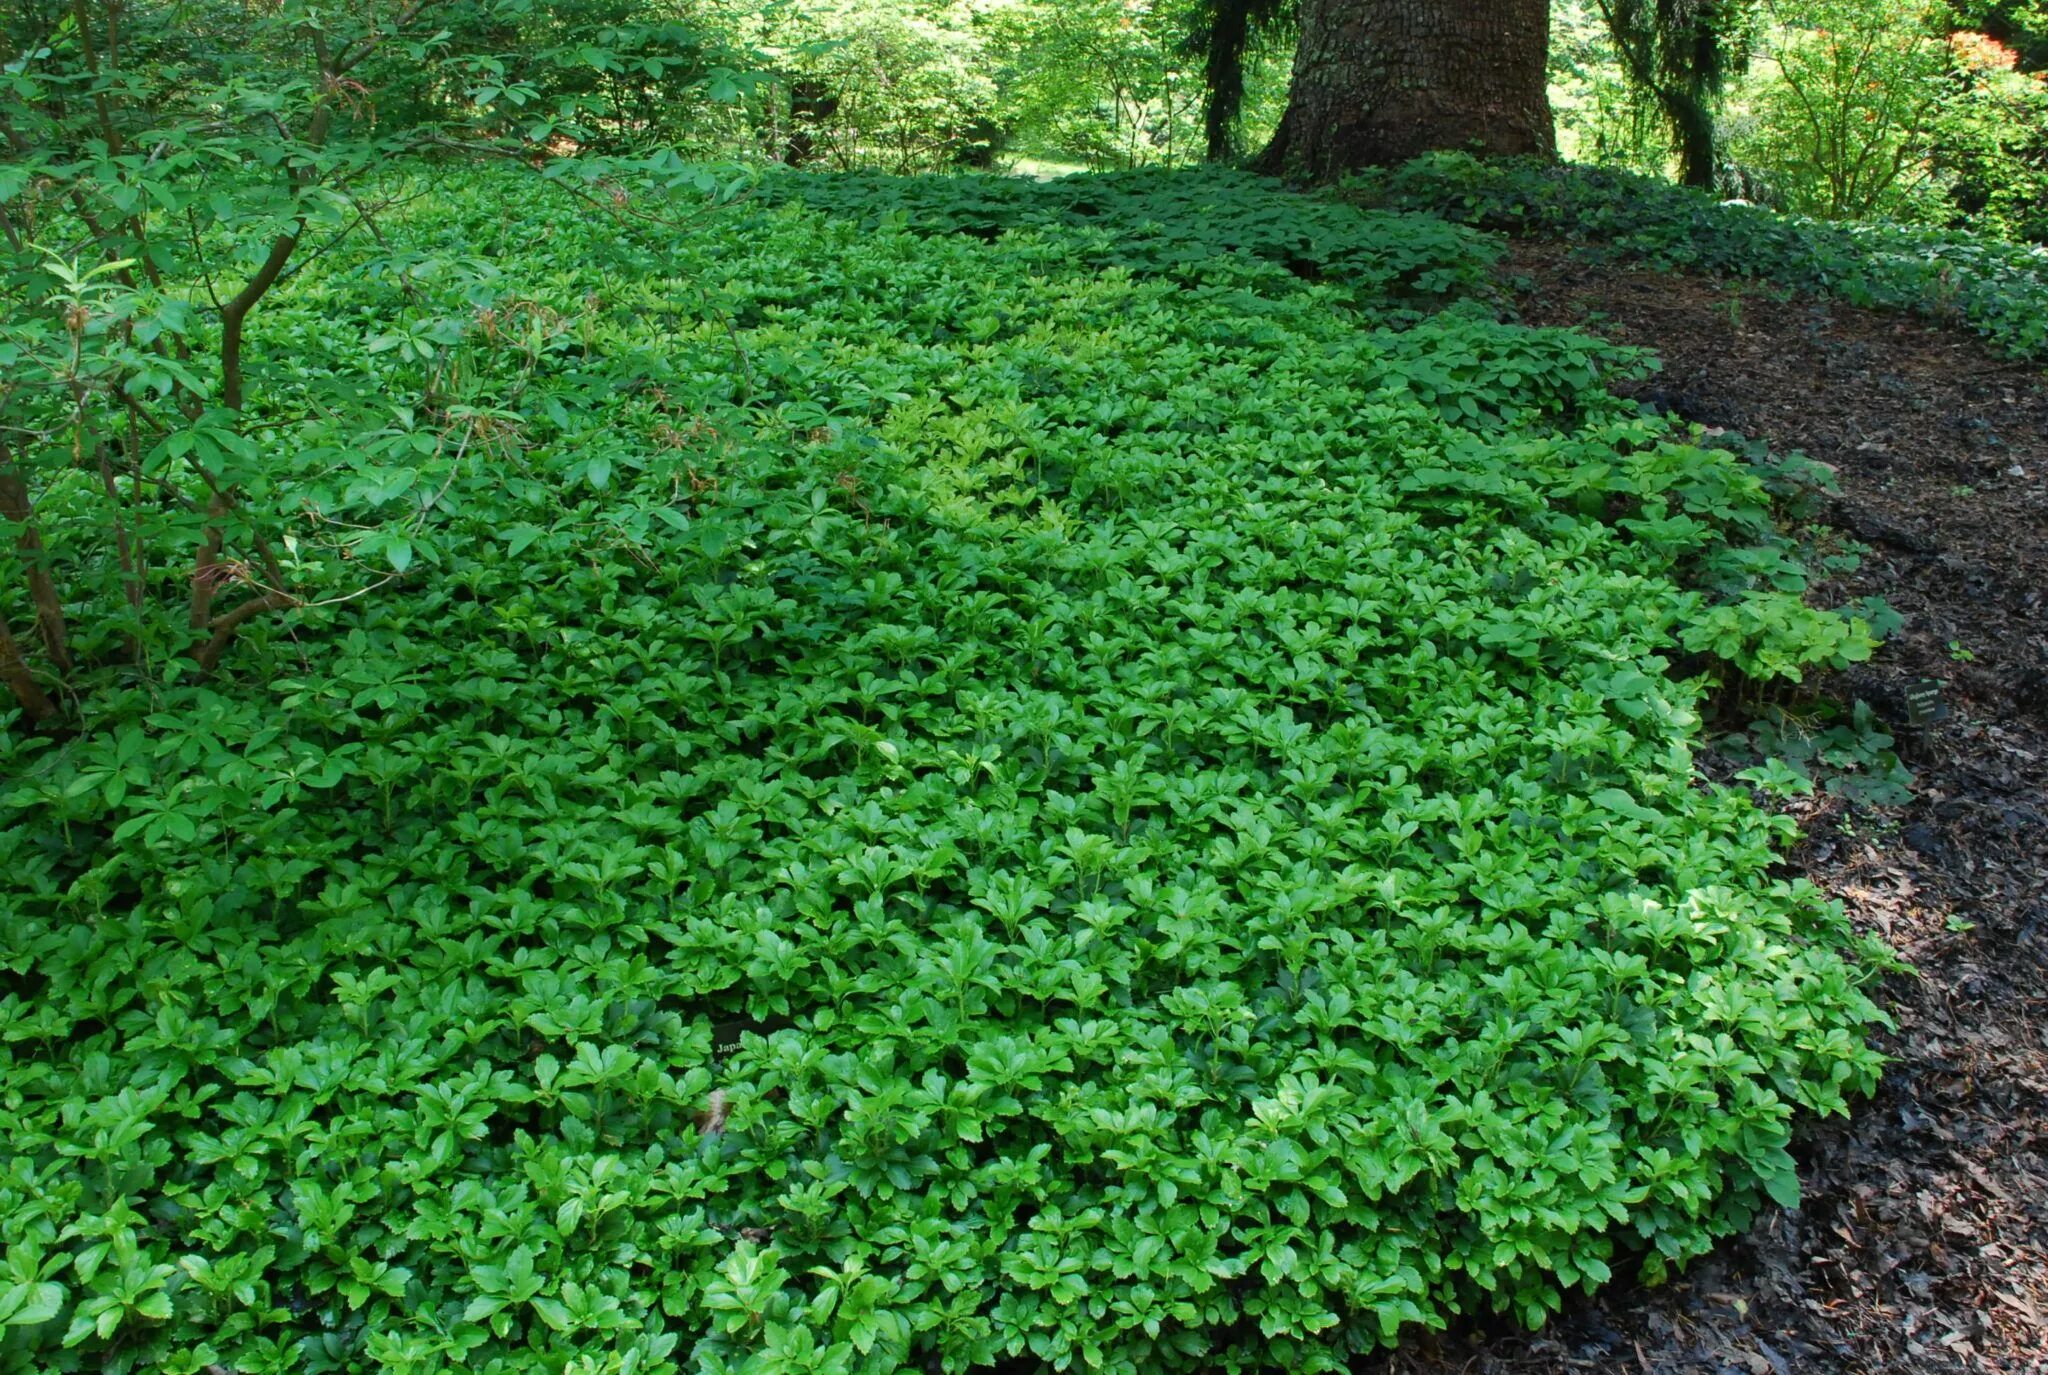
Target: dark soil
1922, 1243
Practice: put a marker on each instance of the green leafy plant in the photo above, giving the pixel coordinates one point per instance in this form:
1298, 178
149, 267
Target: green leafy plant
168, 170
1845, 750
949, 783
1842, 127
1997, 289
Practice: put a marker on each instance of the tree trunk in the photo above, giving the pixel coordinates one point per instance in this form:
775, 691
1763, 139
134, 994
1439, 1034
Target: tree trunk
811, 103
1229, 33
1694, 123
1378, 82
1676, 59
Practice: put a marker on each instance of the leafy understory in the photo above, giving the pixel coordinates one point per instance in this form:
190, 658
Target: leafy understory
1036, 776
1997, 289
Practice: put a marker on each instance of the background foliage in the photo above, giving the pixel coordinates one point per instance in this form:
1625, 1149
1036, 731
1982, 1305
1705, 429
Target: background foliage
1998, 289
1926, 110
1928, 113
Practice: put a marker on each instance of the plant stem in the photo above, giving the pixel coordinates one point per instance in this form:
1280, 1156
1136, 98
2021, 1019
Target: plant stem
14, 672
42, 589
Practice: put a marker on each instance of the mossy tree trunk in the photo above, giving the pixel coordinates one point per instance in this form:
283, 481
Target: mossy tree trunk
1694, 121
1377, 82
1229, 33
1679, 53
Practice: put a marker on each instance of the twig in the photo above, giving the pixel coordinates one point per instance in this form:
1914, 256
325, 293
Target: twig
225, 626
130, 579
454, 471
203, 565
42, 589
382, 582
15, 673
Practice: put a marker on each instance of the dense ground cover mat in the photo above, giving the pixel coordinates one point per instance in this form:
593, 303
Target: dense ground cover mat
1163, 222
925, 797
1996, 288
1920, 1246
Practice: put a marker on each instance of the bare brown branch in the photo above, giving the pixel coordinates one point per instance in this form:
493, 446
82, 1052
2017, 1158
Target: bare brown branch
203, 575
14, 672
42, 588
228, 623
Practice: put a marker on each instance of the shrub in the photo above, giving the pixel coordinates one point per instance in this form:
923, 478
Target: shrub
881, 84
1113, 84
1994, 144
169, 169
936, 789
1843, 125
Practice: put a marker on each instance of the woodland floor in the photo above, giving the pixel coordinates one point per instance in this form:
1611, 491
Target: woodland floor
1922, 1244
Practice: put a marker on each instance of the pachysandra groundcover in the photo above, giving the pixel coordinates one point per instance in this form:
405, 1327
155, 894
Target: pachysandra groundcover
1108, 788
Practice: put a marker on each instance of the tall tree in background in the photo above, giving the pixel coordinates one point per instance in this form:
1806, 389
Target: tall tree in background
1224, 31
1680, 53
1380, 81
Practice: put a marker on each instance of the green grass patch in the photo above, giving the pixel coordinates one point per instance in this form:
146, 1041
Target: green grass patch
950, 777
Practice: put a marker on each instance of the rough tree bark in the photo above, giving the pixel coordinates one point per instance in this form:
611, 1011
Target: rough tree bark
1379, 81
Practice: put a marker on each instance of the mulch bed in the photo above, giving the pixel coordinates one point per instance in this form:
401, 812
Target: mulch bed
1922, 1243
